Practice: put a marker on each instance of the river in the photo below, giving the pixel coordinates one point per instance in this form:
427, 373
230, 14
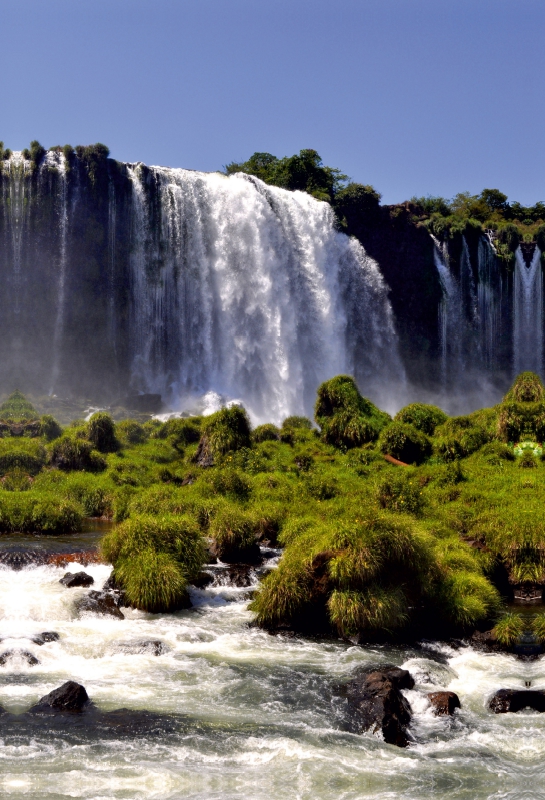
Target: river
229, 711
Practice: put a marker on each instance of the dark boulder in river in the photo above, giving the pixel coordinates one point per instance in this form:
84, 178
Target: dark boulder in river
99, 603
73, 579
71, 696
18, 655
374, 695
45, 636
513, 700
444, 703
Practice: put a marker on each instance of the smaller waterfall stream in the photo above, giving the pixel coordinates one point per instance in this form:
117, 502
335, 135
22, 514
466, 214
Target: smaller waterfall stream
528, 314
57, 160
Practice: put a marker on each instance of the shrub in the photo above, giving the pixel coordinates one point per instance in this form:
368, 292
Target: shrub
175, 535
223, 432
400, 492
423, 417
508, 629
538, 627
53, 517
180, 431
405, 442
345, 417
459, 437
130, 432
527, 388
101, 433
265, 433
23, 454
153, 581
373, 609
234, 536
230, 482
69, 452
49, 427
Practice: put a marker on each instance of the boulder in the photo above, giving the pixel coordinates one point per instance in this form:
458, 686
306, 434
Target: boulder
374, 696
46, 636
71, 696
73, 579
102, 603
512, 700
18, 655
444, 703
202, 580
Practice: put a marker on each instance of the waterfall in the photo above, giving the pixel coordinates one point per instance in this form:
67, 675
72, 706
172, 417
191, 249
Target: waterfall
528, 314
489, 297
450, 319
55, 160
250, 291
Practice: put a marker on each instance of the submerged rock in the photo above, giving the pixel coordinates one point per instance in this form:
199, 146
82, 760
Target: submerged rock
444, 703
73, 579
71, 696
151, 647
46, 636
374, 695
18, 655
102, 603
512, 700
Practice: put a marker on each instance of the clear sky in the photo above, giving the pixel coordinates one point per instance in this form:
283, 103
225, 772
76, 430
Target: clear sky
413, 96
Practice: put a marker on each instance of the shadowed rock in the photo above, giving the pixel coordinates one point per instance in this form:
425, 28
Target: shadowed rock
101, 603
71, 696
374, 696
73, 579
46, 636
444, 703
512, 700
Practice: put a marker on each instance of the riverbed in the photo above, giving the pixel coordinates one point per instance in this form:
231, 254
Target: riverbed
225, 710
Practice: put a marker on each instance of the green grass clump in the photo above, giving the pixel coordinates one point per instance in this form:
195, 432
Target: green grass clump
508, 629
423, 417
234, 535
405, 442
223, 432
459, 437
345, 417
21, 453
153, 581
538, 627
400, 492
70, 452
101, 433
129, 432
17, 409
265, 433
50, 428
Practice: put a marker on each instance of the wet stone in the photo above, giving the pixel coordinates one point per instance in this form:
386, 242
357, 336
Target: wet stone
102, 603
18, 655
506, 701
74, 579
71, 696
444, 703
45, 637
151, 647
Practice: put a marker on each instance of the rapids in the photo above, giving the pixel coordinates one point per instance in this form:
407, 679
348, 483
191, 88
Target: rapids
228, 711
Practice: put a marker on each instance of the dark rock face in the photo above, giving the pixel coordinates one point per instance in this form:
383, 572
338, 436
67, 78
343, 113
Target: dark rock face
99, 603
203, 580
23, 655
512, 700
73, 579
71, 696
486, 640
444, 703
231, 554
375, 698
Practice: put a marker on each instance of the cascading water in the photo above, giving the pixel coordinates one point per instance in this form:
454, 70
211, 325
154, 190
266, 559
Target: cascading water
58, 161
450, 319
528, 314
248, 290
217, 709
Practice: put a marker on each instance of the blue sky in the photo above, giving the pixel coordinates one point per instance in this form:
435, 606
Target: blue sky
412, 96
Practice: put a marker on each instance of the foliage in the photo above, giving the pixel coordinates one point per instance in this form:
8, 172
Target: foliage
153, 581
101, 433
49, 428
423, 417
405, 442
345, 417
508, 629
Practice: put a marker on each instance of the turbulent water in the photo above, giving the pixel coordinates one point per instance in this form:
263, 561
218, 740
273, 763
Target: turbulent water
228, 711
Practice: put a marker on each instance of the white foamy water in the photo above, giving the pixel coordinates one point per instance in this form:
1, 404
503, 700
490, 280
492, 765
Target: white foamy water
241, 713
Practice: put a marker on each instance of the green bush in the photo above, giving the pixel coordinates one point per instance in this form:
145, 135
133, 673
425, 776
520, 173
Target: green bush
405, 442
69, 452
233, 534
153, 581
231, 483
265, 433
400, 492
508, 629
50, 428
423, 417
101, 433
129, 432
345, 417
28, 455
